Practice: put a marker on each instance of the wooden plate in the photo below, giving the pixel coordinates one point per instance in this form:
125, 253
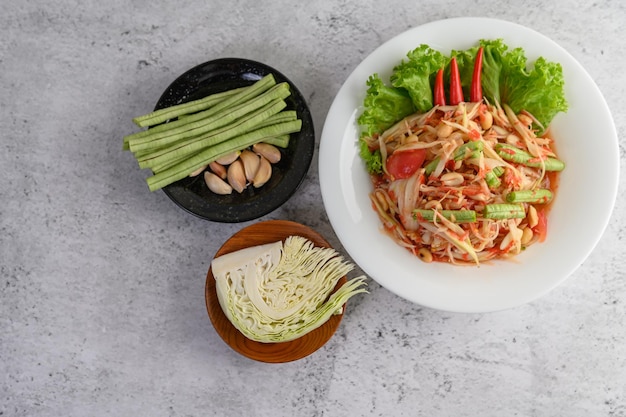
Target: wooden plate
259, 234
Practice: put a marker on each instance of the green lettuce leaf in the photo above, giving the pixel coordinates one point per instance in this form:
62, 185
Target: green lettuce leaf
492, 68
373, 160
507, 78
416, 75
383, 106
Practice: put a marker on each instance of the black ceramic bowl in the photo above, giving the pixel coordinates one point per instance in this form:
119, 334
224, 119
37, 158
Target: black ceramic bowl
192, 194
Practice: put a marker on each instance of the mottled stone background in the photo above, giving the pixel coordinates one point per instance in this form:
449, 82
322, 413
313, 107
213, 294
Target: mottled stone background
101, 294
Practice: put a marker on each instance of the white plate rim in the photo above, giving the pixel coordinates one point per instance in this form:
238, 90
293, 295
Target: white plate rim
502, 284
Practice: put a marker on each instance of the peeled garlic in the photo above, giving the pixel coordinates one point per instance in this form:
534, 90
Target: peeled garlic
263, 174
270, 152
218, 169
216, 184
236, 176
198, 171
251, 162
228, 158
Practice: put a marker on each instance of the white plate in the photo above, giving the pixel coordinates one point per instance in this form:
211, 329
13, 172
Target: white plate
585, 139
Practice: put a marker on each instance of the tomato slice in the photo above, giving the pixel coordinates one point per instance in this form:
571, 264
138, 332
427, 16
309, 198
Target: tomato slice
403, 164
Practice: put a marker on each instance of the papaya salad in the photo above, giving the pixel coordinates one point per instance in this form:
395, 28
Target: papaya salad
459, 151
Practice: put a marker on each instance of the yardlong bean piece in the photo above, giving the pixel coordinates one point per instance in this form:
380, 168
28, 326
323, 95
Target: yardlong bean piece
539, 196
243, 96
467, 150
281, 141
491, 177
504, 211
513, 154
283, 116
207, 123
456, 216
168, 113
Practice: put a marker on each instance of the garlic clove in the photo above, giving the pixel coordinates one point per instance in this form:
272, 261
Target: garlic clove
216, 184
218, 169
228, 158
198, 171
270, 152
263, 174
251, 162
236, 176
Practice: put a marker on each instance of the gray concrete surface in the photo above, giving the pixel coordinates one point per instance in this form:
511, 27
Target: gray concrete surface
101, 294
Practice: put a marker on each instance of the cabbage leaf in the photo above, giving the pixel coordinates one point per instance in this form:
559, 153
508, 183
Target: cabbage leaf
281, 291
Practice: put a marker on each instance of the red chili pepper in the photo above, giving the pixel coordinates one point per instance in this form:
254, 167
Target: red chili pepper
439, 93
476, 90
456, 91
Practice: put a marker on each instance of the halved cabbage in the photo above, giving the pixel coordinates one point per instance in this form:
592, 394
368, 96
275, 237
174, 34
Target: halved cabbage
278, 292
